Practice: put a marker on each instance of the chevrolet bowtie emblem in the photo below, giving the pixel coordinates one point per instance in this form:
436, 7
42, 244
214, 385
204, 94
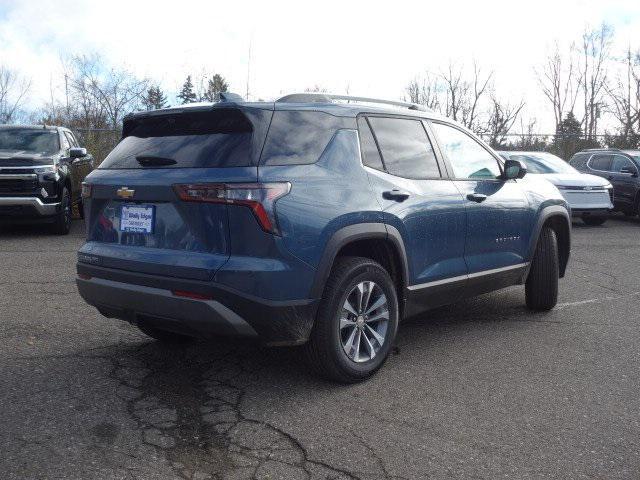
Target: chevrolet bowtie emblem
125, 192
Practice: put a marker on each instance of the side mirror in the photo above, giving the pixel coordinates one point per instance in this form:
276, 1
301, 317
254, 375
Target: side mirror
629, 171
76, 152
514, 169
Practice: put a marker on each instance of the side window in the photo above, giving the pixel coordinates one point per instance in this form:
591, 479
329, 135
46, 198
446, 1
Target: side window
64, 143
405, 147
600, 161
299, 137
370, 154
578, 160
468, 158
620, 162
71, 139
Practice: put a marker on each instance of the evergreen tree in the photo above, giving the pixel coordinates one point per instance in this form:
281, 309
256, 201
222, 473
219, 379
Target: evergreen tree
187, 95
154, 99
216, 85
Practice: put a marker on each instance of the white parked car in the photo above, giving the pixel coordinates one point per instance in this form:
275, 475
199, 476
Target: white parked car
589, 196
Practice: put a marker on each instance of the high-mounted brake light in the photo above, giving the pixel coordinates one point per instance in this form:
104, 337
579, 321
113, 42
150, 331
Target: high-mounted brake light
259, 197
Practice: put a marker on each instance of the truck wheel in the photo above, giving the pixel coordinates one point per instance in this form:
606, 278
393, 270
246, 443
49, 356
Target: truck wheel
163, 336
62, 222
593, 221
356, 323
541, 289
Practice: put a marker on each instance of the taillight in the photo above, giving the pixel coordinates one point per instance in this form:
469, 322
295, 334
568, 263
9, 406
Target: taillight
259, 197
86, 190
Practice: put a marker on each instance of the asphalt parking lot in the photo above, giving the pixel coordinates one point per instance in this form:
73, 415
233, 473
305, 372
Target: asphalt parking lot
482, 389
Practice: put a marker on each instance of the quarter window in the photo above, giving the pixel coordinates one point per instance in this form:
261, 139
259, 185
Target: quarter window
405, 147
299, 137
370, 154
467, 157
600, 162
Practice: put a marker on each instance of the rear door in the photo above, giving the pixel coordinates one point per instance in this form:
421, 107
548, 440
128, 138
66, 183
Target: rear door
420, 201
600, 164
138, 220
499, 221
624, 178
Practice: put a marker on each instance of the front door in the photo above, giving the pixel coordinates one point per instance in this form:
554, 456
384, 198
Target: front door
499, 221
624, 178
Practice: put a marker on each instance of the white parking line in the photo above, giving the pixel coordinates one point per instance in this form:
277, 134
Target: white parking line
595, 300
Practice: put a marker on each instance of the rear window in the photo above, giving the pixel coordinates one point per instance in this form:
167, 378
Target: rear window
300, 137
213, 138
578, 160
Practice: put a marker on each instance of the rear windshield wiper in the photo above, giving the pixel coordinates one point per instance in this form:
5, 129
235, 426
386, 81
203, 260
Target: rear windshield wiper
153, 161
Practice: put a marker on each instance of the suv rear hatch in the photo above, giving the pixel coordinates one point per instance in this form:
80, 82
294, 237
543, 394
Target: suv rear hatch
144, 212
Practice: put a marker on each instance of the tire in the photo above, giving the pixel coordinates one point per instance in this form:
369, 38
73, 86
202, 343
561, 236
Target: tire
62, 222
541, 289
164, 336
343, 346
593, 221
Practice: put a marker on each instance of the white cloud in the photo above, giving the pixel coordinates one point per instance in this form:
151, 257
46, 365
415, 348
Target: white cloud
374, 48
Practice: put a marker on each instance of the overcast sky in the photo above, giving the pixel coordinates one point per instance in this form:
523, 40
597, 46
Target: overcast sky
371, 48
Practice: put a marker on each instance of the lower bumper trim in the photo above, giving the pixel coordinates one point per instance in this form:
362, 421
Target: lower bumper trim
35, 203
134, 302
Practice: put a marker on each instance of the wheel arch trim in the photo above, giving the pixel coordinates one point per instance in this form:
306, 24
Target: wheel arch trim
353, 233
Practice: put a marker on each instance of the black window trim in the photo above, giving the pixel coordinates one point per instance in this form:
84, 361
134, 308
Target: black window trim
497, 157
444, 174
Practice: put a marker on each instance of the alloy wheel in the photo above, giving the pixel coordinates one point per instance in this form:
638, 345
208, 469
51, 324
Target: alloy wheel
364, 319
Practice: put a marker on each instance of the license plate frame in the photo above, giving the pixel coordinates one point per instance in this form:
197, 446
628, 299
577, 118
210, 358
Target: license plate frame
139, 218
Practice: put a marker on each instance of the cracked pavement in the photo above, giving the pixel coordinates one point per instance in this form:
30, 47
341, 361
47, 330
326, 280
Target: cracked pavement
482, 389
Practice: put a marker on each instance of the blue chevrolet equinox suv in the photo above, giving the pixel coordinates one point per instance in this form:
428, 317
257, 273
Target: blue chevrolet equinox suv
316, 219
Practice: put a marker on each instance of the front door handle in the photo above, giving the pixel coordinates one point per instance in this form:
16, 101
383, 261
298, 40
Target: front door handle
477, 197
395, 194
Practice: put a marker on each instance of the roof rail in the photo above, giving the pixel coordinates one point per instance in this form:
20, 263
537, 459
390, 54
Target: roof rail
329, 97
601, 148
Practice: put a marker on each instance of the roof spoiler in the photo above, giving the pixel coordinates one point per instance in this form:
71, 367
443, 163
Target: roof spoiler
329, 98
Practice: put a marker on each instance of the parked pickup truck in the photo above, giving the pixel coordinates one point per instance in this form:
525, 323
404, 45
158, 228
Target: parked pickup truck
41, 173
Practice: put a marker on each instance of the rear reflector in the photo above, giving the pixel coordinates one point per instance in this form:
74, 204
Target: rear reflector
193, 295
259, 197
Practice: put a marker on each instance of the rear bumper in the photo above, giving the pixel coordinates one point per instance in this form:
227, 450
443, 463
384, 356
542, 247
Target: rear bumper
27, 206
581, 212
135, 297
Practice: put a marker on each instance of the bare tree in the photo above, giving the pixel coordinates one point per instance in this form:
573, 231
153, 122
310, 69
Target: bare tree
426, 91
13, 90
624, 97
502, 118
596, 45
560, 81
115, 91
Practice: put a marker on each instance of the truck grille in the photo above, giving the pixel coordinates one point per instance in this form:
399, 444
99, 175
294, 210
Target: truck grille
18, 185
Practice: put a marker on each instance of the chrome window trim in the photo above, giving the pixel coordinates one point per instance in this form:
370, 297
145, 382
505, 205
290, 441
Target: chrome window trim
468, 276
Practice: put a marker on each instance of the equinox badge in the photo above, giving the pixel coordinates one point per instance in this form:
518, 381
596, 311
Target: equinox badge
125, 192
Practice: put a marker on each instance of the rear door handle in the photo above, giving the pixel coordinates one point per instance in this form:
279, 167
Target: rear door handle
395, 194
477, 197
